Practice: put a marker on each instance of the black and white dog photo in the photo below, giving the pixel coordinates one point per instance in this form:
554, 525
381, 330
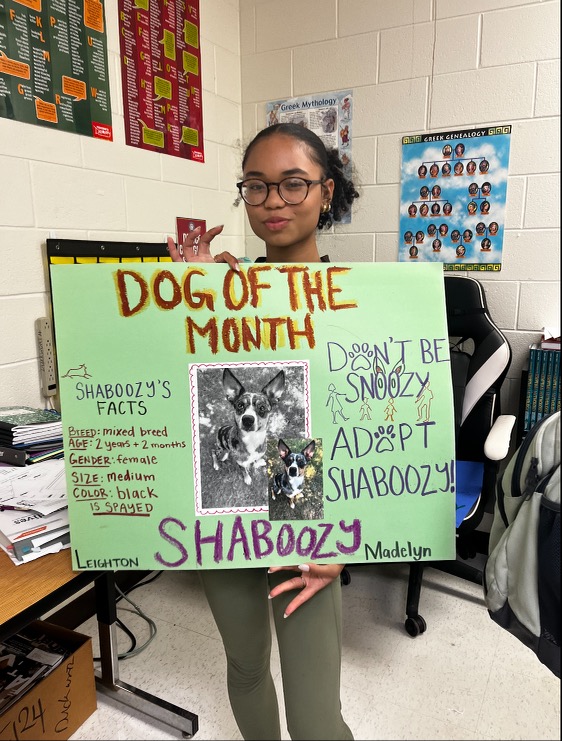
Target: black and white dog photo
244, 439
240, 406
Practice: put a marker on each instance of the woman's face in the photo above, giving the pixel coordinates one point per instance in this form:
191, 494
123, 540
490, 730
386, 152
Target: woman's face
280, 224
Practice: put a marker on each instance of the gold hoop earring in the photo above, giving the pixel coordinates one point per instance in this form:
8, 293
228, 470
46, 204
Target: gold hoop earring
325, 207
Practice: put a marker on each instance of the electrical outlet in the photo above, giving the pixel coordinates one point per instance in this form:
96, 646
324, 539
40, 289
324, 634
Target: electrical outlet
46, 356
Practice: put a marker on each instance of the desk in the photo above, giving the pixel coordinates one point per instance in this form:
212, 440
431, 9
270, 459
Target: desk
32, 589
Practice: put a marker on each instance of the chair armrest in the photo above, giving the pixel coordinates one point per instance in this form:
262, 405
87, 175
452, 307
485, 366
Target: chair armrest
496, 446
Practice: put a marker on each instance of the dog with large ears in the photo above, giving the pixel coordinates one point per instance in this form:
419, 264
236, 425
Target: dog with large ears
290, 482
244, 441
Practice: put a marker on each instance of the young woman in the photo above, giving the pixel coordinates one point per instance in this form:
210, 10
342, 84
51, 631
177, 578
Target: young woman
292, 186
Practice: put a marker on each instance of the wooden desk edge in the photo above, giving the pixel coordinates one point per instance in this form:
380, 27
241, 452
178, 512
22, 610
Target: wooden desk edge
23, 586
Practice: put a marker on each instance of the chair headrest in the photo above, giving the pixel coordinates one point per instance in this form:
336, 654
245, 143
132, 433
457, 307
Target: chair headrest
467, 310
468, 318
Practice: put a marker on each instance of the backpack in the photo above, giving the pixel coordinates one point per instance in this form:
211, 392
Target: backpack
522, 571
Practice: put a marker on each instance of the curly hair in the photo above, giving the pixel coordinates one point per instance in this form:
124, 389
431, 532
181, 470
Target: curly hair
329, 160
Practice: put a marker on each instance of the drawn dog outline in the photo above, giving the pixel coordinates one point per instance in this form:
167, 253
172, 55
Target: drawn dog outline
245, 439
80, 372
291, 480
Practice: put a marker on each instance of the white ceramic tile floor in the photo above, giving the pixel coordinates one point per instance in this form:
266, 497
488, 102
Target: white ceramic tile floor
464, 678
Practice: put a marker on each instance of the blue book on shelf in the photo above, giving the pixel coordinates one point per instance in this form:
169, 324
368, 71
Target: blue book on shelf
535, 350
542, 393
555, 400
529, 391
548, 381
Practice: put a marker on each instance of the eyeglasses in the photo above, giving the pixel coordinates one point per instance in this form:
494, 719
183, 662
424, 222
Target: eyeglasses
292, 190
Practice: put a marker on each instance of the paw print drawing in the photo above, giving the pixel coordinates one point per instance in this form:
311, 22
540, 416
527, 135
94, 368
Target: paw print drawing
384, 437
361, 356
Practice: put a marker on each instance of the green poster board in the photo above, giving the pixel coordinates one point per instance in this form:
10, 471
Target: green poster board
215, 419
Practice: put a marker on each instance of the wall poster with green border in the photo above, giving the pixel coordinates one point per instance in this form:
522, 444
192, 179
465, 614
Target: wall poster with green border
218, 419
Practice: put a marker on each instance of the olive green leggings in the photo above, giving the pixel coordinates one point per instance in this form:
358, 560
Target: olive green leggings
309, 646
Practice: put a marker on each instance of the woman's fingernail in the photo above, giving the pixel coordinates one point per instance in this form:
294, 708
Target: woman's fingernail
269, 596
285, 615
304, 567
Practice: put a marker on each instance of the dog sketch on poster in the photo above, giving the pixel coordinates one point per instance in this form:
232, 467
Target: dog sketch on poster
236, 409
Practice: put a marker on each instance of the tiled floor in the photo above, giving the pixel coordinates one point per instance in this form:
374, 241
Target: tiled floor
464, 678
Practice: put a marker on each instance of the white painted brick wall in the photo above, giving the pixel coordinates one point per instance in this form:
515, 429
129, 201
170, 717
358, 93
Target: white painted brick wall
301, 23
456, 44
491, 95
430, 65
319, 67
406, 52
16, 207
519, 34
413, 65
80, 188
542, 203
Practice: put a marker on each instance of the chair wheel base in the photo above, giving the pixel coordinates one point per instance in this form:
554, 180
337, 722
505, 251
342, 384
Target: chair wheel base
415, 625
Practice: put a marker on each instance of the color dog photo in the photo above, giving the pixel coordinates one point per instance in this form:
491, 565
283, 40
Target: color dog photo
236, 408
294, 472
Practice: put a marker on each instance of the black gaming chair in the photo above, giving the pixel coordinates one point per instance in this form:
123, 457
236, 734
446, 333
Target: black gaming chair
480, 359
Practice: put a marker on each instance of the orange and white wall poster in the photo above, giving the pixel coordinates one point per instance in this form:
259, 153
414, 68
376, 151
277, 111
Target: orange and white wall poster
53, 65
161, 76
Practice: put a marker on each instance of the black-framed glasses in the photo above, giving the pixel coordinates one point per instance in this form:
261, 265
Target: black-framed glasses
292, 190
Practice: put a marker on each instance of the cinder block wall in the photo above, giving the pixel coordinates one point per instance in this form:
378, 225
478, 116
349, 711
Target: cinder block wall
71, 186
429, 65
413, 66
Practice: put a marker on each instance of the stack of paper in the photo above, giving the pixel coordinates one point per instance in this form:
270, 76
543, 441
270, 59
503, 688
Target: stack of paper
33, 511
24, 658
29, 435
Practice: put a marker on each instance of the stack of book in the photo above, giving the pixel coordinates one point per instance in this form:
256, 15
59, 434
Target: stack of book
29, 435
543, 382
33, 510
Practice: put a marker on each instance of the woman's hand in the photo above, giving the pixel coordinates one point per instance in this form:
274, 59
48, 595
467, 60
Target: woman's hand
200, 252
311, 578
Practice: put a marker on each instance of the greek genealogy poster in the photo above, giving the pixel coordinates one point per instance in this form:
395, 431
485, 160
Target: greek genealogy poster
329, 115
217, 419
53, 65
452, 204
161, 76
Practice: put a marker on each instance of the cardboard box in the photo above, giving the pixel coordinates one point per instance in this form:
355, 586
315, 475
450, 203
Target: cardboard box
58, 705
